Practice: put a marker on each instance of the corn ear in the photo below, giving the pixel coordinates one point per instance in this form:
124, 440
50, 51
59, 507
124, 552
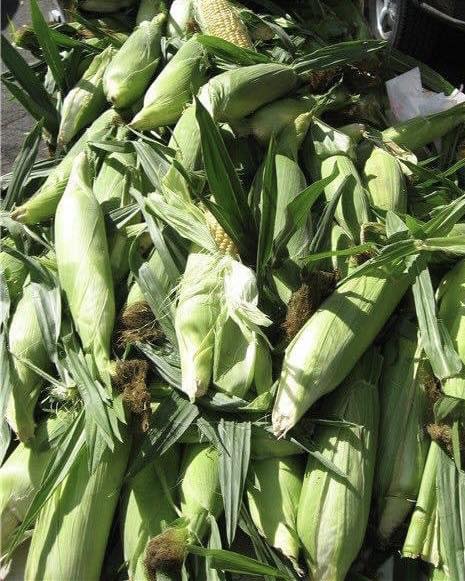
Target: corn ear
173, 88
130, 71
42, 205
423, 536
273, 491
385, 182
86, 101
273, 118
234, 94
147, 506
25, 342
451, 294
196, 313
402, 449
20, 478
238, 345
84, 269
333, 514
78, 517
200, 493
334, 151
222, 19
420, 131
330, 343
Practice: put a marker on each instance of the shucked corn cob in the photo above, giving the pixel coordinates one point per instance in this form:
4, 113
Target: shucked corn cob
220, 18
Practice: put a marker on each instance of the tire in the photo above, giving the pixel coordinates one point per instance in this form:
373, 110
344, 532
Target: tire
413, 31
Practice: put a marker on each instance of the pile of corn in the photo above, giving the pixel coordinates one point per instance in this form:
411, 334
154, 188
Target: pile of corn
232, 323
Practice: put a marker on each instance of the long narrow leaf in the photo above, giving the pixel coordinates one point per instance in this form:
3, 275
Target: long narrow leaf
435, 340
234, 464
22, 166
225, 184
49, 48
172, 418
29, 82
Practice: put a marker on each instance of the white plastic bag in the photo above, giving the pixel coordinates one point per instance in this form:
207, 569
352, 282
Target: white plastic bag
408, 98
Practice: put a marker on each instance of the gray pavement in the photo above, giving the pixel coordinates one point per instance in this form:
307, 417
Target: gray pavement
15, 121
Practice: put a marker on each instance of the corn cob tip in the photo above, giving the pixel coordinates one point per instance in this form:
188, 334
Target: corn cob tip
166, 552
19, 214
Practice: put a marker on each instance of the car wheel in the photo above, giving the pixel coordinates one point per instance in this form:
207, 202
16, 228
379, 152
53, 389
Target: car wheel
404, 25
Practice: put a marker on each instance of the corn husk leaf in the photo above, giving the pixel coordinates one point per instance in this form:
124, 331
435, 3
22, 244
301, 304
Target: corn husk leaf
200, 493
86, 101
84, 266
332, 516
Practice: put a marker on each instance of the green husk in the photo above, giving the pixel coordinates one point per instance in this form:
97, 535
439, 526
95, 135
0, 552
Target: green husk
72, 529
132, 68
185, 139
196, 313
42, 205
423, 535
385, 181
334, 151
86, 101
273, 491
84, 269
333, 514
147, 506
274, 117
25, 342
111, 185
327, 347
401, 450
200, 493
173, 88
451, 295
235, 94
20, 478
13, 269
420, 131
